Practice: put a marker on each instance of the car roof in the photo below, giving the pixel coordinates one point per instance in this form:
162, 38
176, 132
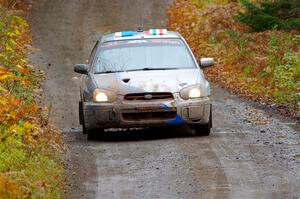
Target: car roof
151, 34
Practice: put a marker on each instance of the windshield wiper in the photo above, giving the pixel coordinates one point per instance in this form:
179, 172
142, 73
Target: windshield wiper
144, 69
108, 71
140, 69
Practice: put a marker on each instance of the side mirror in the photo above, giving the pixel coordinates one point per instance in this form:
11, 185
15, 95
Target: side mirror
206, 62
81, 68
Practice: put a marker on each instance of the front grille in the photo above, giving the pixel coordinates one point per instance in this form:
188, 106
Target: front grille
140, 116
149, 96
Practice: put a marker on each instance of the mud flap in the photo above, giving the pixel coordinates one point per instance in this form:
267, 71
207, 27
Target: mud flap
210, 117
80, 113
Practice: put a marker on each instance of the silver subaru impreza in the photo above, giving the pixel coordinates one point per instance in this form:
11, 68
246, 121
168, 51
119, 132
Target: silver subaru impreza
144, 78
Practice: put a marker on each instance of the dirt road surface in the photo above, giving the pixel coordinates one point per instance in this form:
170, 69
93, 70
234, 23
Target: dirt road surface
251, 153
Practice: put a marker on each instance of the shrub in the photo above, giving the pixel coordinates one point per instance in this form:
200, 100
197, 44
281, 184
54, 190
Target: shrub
271, 14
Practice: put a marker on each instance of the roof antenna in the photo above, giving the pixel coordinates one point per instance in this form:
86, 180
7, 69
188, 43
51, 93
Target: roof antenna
140, 29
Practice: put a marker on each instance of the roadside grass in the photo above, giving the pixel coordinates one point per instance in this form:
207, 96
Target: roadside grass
261, 66
31, 163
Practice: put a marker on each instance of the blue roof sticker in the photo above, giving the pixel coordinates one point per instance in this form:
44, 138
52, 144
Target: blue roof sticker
125, 34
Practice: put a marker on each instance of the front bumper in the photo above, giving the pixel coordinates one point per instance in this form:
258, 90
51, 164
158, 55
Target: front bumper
145, 113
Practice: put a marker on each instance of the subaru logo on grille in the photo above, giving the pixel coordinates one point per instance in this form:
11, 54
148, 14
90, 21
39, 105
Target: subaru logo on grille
148, 96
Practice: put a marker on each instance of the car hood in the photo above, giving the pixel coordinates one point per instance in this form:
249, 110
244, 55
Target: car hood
150, 81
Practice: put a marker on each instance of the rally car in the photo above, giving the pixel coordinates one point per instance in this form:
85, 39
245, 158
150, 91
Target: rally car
144, 78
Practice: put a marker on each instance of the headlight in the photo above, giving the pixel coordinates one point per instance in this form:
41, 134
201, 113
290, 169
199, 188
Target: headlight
103, 96
195, 93
191, 92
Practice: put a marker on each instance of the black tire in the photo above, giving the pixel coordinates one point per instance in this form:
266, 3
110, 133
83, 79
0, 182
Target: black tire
81, 118
94, 134
204, 129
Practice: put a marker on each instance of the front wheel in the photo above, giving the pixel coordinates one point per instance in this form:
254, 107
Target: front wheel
204, 129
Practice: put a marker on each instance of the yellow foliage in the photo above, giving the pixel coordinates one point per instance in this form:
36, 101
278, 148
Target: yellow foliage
203, 3
10, 188
30, 149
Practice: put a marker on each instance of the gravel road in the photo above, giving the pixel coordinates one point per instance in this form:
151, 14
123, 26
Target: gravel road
252, 153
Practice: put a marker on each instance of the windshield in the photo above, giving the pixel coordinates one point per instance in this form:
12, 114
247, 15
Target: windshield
147, 54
